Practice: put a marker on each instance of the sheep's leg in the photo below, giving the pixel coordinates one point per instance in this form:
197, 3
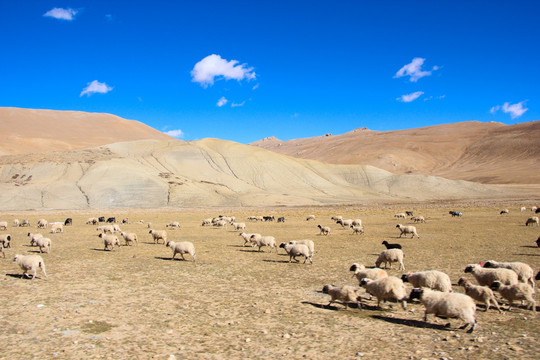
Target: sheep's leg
173, 255
182, 255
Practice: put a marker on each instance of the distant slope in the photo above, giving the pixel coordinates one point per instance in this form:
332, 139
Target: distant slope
490, 153
32, 131
210, 172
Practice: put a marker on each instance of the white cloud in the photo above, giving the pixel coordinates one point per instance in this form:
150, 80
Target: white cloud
410, 97
175, 133
61, 14
214, 66
515, 110
222, 101
494, 109
413, 69
96, 87
238, 104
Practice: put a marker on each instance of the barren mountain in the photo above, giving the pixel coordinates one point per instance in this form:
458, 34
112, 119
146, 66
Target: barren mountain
490, 153
33, 131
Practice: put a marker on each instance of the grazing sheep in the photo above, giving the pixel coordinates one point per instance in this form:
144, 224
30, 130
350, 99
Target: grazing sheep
174, 224
3, 225
409, 213
56, 228
336, 218
5, 240
524, 272
105, 229
130, 238
433, 279
68, 222
357, 222
450, 305
101, 219
111, 220
16, 222
295, 250
309, 243
269, 241
158, 235
183, 247
310, 217
281, 219
361, 272
400, 216
520, 291
386, 288
455, 213
125, 221
390, 256
92, 221
30, 263
391, 246
532, 220
33, 238
109, 240
207, 222
42, 224
24, 223
325, 230
44, 243
407, 230
357, 230
269, 218
221, 223
486, 277
239, 226
345, 294
418, 219
246, 237
345, 223
504, 211
479, 293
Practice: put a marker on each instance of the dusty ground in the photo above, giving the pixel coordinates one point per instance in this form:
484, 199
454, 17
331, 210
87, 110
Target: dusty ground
237, 303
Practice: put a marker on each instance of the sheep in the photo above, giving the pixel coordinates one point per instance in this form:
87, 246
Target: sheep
391, 246
5, 240
281, 219
336, 218
149, 225
92, 221
207, 222
486, 277
504, 211
520, 291
68, 222
309, 243
221, 223
269, 218
30, 263
111, 220
269, 241
357, 230
361, 272
386, 288
345, 223
3, 225
450, 305
42, 224
105, 229
390, 256
252, 218
407, 230
295, 250
400, 216
44, 243
116, 228
33, 238
534, 208
455, 213
522, 209
125, 221
16, 222
130, 238
325, 230
433, 279
409, 213
158, 235
345, 294
310, 217
246, 237
481, 294
357, 222
24, 223
109, 240
55, 228
532, 220
524, 272
418, 219
101, 219
239, 226
184, 247
174, 224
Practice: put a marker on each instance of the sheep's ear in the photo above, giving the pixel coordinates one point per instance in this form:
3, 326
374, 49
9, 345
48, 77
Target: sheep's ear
480, 263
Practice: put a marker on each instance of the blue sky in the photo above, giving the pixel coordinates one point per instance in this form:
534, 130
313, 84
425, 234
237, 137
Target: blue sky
244, 70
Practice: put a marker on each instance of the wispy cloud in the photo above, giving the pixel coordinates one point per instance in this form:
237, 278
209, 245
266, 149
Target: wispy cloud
214, 66
515, 110
222, 101
96, 87
414, 70
238, 104
175, 133
410, 97
62, 14
434, 97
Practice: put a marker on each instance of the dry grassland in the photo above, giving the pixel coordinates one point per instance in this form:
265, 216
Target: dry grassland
237, 303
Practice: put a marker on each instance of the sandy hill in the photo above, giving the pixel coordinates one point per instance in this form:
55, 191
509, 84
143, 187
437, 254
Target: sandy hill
32, 131
490, 153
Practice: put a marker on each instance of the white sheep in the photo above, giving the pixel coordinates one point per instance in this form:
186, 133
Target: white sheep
269, 241
221, 223
158, 235
519, 291
24, 223
56, 228
361, 272
42, 224
418, 219
207, 222
116, 228
92, 221
504, 211
105, 229
449, 305
44, 243
336, 218
357, 222
309, 243
524, 272
30, 263
173, 224
479, 293
33, 238
246, 237
345, 294
345, 223
149, 225
295, 250
130, 238
386, 288
486, 277
310, 217
532, 220
109, 240
5, 240
433, 279
522, 209
390, 256
16, 222
534, 208
183, 247
324, 230
357, 230
3, 225
409, 229
400, 216
238, 226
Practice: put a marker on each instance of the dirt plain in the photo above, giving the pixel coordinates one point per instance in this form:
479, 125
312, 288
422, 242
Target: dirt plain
237, 303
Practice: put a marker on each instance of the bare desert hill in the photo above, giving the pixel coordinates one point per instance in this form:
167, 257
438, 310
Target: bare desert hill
490, 153
32, 131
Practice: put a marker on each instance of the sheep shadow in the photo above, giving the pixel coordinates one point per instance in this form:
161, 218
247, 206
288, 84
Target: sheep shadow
170, 258
237, 246
412, 323
101, 250
19, 276
280, 261
529, 246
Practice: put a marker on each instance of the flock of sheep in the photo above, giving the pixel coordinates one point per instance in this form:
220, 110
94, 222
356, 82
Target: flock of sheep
514, 281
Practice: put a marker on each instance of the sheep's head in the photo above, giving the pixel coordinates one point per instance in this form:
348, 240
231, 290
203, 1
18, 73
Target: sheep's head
496, 285
282, 245
470, 268
489, 264
365, 281
462, 281
416, 293
325, 289
16, 257
398, 225
405, 277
